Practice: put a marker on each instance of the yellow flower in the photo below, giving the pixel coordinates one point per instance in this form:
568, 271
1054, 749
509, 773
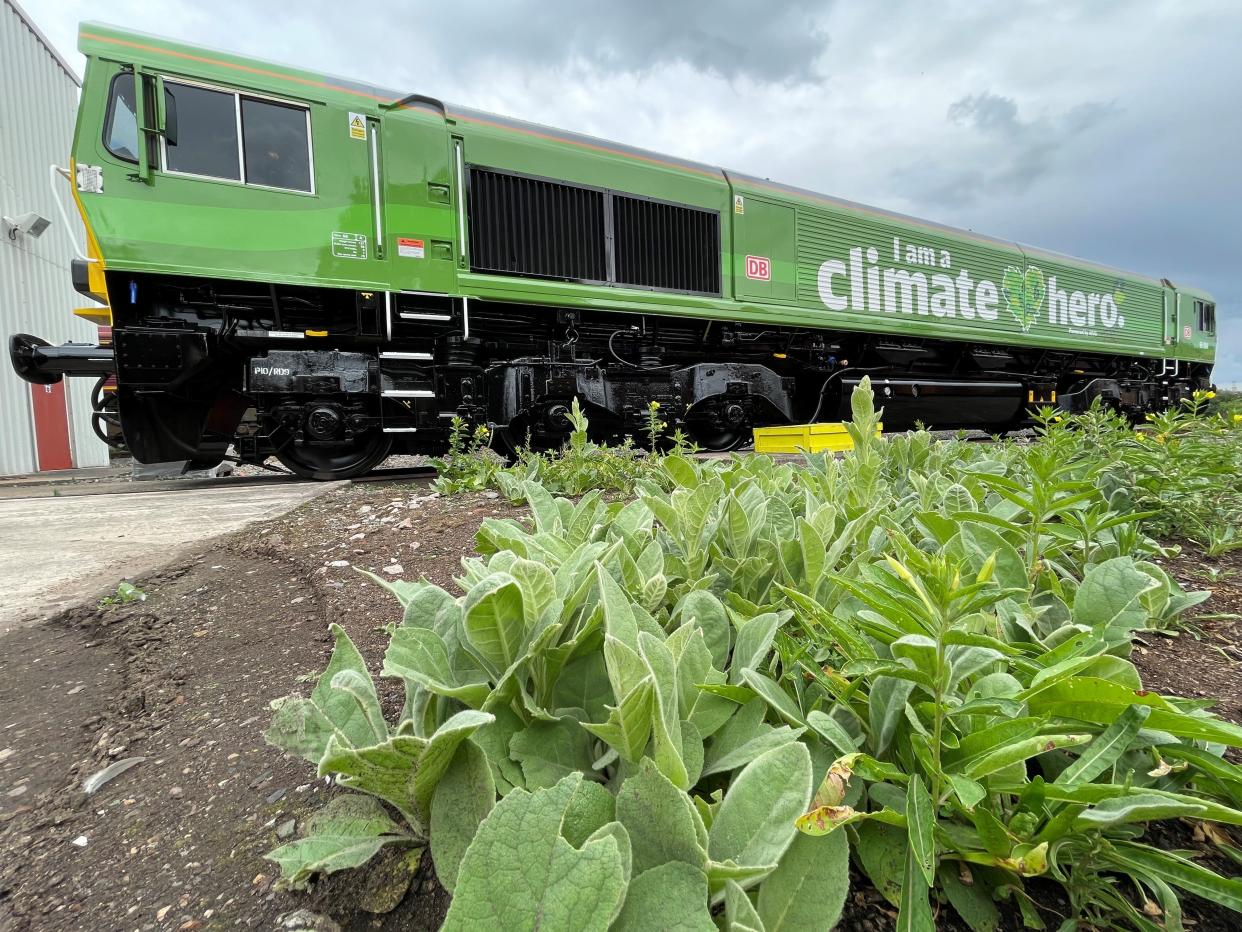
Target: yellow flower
655, 406
1140, 435
1237, 418
1210, 395
1159, 438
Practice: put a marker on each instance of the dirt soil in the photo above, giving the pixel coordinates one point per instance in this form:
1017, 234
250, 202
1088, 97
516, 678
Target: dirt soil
183, 681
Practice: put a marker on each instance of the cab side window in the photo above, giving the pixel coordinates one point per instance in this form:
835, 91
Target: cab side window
215, 133
206, 132
121, 122
277, 149
1206, 312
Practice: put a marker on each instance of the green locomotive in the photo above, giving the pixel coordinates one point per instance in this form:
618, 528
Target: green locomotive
326, 271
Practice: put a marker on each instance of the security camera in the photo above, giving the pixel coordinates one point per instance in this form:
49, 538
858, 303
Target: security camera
30, 224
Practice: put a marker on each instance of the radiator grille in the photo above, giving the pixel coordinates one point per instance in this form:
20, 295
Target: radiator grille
546, 229
666, 246
526, 226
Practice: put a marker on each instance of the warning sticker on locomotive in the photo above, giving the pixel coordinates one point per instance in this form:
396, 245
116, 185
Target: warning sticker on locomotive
410, 248
357, 126
739, 205
759, 268
90, 179
349, 245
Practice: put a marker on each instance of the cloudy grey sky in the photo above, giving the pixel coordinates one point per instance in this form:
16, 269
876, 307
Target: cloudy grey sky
1105, 128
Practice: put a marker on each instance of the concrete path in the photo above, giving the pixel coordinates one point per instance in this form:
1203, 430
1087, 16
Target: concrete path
57, 551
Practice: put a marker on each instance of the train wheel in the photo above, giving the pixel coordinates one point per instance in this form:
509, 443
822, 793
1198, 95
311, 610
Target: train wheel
335, 461
721, 440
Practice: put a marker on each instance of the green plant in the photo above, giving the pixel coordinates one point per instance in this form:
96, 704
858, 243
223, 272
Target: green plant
124, 594
470, 465
933, 633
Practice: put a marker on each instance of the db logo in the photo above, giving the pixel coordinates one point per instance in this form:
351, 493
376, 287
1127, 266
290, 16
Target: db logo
759, 268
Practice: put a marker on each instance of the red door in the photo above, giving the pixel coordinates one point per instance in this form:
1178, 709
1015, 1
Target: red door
51, 419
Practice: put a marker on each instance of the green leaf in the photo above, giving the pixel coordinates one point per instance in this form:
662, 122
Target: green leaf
1103, 752
628, 727
1180, 872
619, 621
1110, 595
705, 610
303, 726
777, 698
550, 751
666, 730
881, 852
346, 833
519, 867
659, 819
886, 707
755, 822
740, 912
1020, 751
494, 621
808, 888
441, 747
420, 656
915, 913
920, 823
1139, 807
463, 798
973, 901
383, 770
754, 641
672, 896
590, 809
744, 737
1091, 699
831, 731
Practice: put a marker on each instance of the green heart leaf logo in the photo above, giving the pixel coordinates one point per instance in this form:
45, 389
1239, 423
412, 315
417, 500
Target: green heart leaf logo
1035, 292
1024, 294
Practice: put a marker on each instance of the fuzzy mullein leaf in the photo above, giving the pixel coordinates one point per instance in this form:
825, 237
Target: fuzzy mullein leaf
808, 888
619, 620
383, 770
740, 912
441, 747
629, 724
755, 822
590, 809
666, 730
464, 796
303, 726
494, 621
671, 897
744, 737
345, 833
754, 643
549, 751
705, 610
420, 656
521, 873
1110, 595
659, 819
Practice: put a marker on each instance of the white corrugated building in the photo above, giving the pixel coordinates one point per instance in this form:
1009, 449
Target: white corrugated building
38, 104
